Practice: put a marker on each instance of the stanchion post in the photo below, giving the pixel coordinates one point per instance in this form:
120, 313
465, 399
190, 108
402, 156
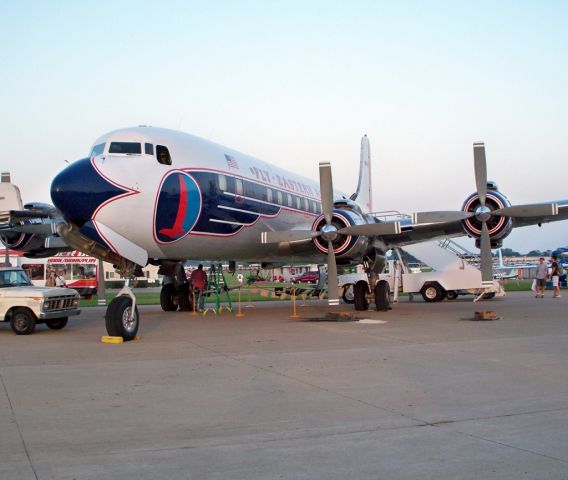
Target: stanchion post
239, 313
294, 313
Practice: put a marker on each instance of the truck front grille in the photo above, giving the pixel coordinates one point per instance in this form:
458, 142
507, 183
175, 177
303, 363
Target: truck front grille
64, 302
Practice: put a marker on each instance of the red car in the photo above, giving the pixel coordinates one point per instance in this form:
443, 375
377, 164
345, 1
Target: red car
308, 277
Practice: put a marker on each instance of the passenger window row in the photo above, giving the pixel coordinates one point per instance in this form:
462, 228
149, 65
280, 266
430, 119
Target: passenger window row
256, 191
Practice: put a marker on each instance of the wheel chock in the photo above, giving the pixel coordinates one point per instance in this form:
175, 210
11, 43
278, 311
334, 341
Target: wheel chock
111, 339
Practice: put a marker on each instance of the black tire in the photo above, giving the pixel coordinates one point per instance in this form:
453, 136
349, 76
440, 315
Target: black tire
57, 323
184, 300
432, 292
451, 294
348, 294
168, 298
117, 319
382, 296
23, 321
488, 296
360, 291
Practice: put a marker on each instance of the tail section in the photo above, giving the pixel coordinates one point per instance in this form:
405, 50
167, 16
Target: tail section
364, 195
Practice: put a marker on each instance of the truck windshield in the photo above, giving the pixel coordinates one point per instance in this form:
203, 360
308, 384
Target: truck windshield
13, 278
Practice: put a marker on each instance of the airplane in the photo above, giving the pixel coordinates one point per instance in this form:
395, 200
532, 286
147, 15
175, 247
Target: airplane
153, 195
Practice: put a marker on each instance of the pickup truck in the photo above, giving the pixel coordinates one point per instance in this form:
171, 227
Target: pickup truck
24, 305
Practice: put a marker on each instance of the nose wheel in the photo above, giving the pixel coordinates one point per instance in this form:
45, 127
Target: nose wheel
121, 319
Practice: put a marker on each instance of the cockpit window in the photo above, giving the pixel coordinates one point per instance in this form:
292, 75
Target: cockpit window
128, 148
163, 155
97, 150
148, 149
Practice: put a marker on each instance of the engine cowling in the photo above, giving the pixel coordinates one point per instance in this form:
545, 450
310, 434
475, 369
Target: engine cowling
499, 226
344, 246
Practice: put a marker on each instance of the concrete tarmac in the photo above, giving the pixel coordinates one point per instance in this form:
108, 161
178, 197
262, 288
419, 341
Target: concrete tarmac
426, 395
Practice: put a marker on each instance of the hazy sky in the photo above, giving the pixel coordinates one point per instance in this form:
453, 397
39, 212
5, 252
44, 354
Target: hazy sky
298, 82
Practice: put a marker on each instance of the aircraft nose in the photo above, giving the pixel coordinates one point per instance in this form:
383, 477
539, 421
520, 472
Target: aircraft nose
79, 190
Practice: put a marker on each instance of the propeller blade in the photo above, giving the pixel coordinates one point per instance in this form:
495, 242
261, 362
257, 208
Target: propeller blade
529, 210
326, 190
372, 229
486, 258
287, 236
441, 216
332, 288
480, 166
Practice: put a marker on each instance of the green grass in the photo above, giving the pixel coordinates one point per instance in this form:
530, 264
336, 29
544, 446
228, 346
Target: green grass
153, 298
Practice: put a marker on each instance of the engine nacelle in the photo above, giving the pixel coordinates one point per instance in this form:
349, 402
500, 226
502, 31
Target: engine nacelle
499, 226
344, 246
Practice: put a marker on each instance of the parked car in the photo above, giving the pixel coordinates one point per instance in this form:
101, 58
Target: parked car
308, 277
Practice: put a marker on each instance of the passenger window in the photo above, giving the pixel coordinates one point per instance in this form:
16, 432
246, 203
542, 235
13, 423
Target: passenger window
269, 195
306, 205
163, 155
222, 183
279, 195
289, 199
149, 149
128, 148
298, 203
238, 186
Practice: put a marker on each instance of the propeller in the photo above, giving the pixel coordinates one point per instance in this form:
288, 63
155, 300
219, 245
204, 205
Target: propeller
329, 231
484, 213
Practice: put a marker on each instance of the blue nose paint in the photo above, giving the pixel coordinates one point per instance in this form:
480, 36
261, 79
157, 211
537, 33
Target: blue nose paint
178, 207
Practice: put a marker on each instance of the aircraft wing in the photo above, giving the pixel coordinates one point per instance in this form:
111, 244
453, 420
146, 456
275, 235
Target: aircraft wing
415, 233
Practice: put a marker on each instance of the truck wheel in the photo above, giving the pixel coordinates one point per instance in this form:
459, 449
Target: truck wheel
432, 292
23, 321
451, 295
118, 323
57, 323
348, 293
360, 294
168, 299
382, 296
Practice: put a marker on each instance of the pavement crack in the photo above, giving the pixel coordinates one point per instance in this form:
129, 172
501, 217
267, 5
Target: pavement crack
13, 414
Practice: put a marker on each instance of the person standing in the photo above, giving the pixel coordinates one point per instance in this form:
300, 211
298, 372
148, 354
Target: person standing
198, 283
541, 276
555, 275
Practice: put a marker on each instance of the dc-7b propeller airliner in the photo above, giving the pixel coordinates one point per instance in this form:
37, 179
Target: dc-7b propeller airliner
151, 195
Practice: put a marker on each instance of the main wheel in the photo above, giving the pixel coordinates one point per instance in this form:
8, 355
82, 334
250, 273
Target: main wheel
184, 298
382, 296
57, 323
360, 299
168, 298
432, 292
23, 321
118, 322
451, 294
348, 293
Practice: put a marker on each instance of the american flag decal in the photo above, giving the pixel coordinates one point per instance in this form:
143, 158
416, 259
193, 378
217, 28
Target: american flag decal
231, 162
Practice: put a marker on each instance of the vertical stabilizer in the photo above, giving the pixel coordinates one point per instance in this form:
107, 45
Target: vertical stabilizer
364, 195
